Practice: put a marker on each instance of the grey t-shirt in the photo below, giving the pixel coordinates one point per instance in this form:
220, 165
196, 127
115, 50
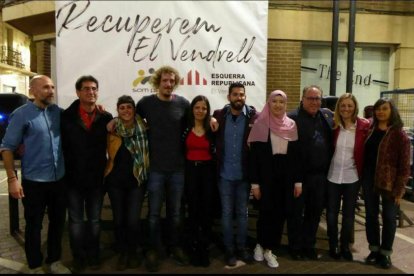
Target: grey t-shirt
166, 122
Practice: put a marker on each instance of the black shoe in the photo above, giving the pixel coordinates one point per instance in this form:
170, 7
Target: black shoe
121, 264
204, 257
230, 258
295, 254
179, 256
347, 255
245, 256
134, 260
94, 263
77, 266
152, 262
311, 254
384, 261
372, 258
334, 253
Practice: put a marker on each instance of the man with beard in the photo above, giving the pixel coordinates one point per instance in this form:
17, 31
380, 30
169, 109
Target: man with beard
235, 121
36, 125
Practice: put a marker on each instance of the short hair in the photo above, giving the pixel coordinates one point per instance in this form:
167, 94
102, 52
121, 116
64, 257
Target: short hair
309, 87
125, 99
155, 79
82, 79
337, 117
35, 79
236, 85
395, 118
368, 111
206, 122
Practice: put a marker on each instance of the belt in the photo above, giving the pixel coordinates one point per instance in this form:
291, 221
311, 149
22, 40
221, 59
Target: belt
198, 163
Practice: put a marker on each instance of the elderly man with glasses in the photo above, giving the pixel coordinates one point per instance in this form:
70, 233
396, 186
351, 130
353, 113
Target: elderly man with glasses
315, 136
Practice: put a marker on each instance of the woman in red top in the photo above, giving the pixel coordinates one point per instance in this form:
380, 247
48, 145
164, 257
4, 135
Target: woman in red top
199, 178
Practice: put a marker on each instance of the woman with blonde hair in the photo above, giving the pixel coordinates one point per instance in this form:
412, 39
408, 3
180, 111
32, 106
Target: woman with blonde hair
349, 134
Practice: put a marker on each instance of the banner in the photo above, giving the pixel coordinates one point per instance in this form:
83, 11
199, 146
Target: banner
121, 43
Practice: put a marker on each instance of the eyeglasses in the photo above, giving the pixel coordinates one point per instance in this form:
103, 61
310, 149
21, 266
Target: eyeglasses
87, 88
313, 98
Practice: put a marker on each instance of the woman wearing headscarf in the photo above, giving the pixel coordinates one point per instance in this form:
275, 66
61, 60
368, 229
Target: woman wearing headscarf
275, 176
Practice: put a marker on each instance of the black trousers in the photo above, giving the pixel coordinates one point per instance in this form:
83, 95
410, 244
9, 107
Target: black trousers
38, 197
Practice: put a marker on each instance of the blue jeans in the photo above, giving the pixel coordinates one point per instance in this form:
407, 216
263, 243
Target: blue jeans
389, 218
38, 197
84, 236
234, 195
168, 186
126, 206
348, 194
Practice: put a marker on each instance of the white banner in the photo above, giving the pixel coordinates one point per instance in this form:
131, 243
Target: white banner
211, 44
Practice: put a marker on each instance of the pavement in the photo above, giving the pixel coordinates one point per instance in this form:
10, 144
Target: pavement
12, 257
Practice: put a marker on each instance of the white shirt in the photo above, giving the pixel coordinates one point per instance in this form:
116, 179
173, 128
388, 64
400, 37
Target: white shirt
279, 145
343, 169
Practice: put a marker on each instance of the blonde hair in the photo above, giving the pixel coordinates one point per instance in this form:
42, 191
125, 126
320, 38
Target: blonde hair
156, 77
337, 117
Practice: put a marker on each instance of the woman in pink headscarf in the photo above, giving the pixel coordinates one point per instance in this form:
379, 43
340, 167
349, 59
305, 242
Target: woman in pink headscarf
275, 176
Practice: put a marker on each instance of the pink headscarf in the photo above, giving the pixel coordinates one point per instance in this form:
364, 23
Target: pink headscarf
283, 127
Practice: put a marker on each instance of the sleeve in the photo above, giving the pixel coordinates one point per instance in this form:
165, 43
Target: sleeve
403, 167
254, 163
14, 132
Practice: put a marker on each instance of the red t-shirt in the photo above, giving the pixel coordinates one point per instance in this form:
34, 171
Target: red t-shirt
198, 147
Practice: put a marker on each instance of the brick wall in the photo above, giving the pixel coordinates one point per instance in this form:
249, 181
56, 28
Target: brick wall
283, 69
43, 58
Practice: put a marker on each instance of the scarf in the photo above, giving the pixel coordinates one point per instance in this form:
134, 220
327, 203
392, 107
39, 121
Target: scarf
136, 141
283, 127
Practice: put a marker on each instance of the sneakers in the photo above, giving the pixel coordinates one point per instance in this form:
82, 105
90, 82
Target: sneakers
258, 253
58, 268
179, 256
271, 259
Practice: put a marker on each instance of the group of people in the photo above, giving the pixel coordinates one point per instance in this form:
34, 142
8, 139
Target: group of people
183, 154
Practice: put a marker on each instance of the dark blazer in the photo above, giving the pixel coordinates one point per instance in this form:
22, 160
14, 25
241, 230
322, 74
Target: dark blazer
84, 150
262, 172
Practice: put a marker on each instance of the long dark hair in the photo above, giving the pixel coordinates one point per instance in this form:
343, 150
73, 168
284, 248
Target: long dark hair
191, 119
395, 118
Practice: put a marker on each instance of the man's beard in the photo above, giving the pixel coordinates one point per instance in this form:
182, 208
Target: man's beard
237, 106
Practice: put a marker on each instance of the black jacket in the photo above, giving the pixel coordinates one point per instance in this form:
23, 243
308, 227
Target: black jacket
84, 150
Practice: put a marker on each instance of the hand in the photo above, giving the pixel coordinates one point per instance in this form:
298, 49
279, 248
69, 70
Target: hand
214, 125
397, 201
110, 127
15, 188
297, 191
256, 193
100, 108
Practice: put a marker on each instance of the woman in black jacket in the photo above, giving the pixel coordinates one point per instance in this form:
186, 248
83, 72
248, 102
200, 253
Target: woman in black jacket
275, 176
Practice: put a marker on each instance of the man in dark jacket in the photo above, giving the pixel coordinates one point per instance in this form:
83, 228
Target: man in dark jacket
235, 121
84, 149
315, 138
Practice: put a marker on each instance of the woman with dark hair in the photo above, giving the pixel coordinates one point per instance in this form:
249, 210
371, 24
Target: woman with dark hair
386, 172
345, 170
125, 178
199, 178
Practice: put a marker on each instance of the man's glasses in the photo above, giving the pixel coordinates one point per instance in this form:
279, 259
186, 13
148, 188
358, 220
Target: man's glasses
87, 88
313, 98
